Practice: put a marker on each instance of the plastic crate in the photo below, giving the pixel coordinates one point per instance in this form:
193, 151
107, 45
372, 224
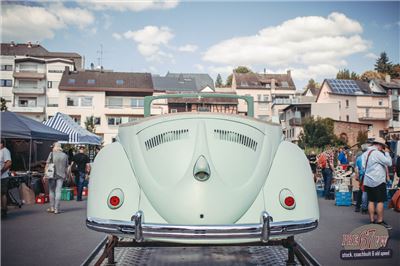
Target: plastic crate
67, 194
85, 191
343, 199
320, 193
42, 199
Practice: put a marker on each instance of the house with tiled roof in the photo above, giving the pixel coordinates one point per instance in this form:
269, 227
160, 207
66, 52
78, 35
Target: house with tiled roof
112, 98
271, 93
203, 82
30, 76
358, 102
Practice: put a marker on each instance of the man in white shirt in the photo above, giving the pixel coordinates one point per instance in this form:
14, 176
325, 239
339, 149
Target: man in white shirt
5, 165
376, 160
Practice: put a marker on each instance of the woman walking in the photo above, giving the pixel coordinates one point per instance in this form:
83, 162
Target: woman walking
60, 163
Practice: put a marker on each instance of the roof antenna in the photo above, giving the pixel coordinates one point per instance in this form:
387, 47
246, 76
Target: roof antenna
100, 59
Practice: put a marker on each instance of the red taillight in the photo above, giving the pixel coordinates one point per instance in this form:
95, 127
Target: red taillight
114, 201
289, 201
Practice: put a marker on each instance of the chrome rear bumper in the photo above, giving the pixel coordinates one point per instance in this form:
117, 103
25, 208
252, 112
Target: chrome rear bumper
143, 231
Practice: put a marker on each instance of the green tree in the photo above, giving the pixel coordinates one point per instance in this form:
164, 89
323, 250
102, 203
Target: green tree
3, 104
370, 75
362, 138
383, 65
218, 81
345, 74
90, 124
239, 69
317, 133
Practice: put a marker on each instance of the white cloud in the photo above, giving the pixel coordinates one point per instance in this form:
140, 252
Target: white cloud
150, 40
36, 23
303, 42
223, 70
117, 36
188, 48
199, 67
372, 56
134, 6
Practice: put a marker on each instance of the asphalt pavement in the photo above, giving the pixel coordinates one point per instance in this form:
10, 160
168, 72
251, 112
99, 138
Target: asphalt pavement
30, 236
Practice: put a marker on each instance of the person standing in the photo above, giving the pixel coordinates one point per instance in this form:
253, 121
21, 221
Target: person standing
325, 162
5, 164
342, 158
362, 200
312, 158
60, 161
83, 169
375, 161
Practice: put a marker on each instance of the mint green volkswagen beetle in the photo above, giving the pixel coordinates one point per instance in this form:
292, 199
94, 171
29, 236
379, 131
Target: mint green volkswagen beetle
202, 178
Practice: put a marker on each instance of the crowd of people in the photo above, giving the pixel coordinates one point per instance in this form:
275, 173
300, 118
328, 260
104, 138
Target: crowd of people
371, 166
73, 168
61, 167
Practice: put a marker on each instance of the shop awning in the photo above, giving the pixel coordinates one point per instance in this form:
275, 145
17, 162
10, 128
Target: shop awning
77, 134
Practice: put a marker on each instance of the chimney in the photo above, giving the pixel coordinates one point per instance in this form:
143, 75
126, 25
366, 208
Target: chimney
272, 85
12, 44
67, 70
265, 70
387, 78
289, 73
91, 66
29, 45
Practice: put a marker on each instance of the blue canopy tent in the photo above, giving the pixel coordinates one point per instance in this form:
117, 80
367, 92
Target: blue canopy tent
15, 126
76, 133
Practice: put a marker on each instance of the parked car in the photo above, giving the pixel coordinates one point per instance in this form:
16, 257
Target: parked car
202, 178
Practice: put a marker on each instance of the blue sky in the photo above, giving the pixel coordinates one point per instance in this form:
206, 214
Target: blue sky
313, 39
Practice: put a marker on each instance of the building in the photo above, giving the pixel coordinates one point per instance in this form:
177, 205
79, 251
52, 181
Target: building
392, 87
271, 93
203, 82
358, 102
295, 115
30, 77
192, 83
112, 98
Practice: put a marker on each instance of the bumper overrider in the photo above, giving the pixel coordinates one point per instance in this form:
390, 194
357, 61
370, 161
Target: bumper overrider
142, 231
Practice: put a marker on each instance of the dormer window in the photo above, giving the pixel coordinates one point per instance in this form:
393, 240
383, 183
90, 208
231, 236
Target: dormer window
284, 84
119, 82
268, 85
71, 81
244, 84
91, 81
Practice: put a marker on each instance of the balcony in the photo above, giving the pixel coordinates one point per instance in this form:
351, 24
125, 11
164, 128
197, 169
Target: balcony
284, 101
296, 122
113, 109
29, 90
26, 109
27, 74
381, 114
395, 104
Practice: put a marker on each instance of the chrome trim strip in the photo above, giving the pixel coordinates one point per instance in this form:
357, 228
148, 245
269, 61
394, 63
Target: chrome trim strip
263, 231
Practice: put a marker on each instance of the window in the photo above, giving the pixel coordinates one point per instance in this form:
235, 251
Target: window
137, 102
114, 102
52, 102
347, 103
83, 101
97, 120
263, 106
244, 84
28, 67
27, 102
268, 85
340, 104
6, 67
49, 84
347, 118
76, 118
6, 83
91, 81
284, 84
259, 97
72, 101
119, 82
380, 102
71, 81
86, 101
114, 121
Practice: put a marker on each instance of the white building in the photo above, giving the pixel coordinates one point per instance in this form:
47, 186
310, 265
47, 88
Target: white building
30, 76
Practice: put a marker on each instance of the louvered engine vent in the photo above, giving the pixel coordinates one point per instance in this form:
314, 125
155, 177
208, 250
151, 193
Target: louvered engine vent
166, 137
236, 137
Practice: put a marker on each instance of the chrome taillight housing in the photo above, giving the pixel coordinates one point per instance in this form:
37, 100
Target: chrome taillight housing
287, 200
115, 198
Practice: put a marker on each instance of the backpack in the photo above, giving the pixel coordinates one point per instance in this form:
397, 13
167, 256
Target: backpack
395, 201
322, 160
